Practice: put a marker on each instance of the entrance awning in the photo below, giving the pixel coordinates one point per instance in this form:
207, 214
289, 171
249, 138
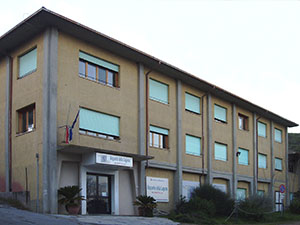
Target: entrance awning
77, 149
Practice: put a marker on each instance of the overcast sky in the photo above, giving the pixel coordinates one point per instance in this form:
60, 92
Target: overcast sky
249, 48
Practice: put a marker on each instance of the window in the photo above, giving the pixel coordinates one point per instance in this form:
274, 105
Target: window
192, 145
262, 129
262, 161
278, 135
241, 194
99, 124
220, 113
26, 119
192, 103
243, 122
158, 91
220, 152
27, 63
243, 156
260, 193
98, 70
158, 137
278, 164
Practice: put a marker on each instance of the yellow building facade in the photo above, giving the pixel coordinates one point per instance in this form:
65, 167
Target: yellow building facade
80, 108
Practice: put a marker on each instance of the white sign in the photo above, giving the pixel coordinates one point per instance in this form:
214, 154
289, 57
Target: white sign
188, 187
221, 187
158, 188
115, 160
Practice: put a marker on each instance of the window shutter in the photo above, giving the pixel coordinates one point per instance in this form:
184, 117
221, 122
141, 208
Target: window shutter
278, 164
28, 63
262, 129
220, 113
99, 122
220, 152
243, 157
278, 135
99, 62
158, 91
159, 130
262, 161
192, 145
192, 103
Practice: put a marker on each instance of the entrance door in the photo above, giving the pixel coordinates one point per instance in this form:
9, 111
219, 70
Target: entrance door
98, 194
278, 201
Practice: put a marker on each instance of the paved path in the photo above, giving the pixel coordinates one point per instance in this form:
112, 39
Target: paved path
13, 216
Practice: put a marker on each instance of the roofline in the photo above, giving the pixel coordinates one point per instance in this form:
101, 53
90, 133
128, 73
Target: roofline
44, 18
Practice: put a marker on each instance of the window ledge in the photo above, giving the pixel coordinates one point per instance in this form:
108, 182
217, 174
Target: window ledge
243, 130
26, 132
193, 113
27, 74
220, 121
107, 139
166, 104
97, 82
243, 164
165, 149
221, 160
194, 155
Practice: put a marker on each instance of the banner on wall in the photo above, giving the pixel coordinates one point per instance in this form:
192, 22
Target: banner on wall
158, 188
188, 187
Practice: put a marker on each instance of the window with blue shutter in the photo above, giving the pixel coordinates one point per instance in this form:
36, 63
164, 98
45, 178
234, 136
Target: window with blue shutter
220, 113
192, 103
278, 135
100, 124
262, 129
220, 152
243, 157
158, 91
28, 63
278, 164
262, 161
192, 145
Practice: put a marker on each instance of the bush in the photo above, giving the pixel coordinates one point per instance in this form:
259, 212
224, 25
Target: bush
255, 207
200, 207
295, 206
181, 206
222, 201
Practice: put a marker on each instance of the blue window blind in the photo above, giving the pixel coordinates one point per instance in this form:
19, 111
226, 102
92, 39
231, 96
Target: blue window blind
158, 91
28, 63
243, 157
99, 62
262, 129
99, 122
159, 130
278, 135
192, 103
192, 145
220, 152
278, 164
220, 113
241, 193
262, 161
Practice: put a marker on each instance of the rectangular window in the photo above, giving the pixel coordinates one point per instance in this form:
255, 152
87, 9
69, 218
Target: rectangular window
26, 119
192, 145
243, 122
220, 113
241, 194
158, 137
278, 135
220, 152
262, 161
99, 124
278, 164
28, 63
262, 129
260, 193
243, 157
99, 70
158, 91
192, 103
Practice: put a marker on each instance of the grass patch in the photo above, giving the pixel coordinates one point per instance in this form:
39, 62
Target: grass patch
13, 202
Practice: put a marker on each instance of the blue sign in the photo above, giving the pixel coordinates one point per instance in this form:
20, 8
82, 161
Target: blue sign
282, 188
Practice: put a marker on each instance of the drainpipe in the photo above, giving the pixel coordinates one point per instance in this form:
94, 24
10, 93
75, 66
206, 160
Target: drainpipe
256, 186
147, 116
202, 124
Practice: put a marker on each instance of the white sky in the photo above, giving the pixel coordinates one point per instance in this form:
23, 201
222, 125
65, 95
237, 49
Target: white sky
250, 48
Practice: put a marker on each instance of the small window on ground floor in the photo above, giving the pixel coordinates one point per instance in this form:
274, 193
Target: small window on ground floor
241, 194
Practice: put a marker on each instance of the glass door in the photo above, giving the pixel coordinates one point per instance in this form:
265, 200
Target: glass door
98, 194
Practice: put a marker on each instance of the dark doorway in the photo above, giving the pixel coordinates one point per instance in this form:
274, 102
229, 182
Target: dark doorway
98, 194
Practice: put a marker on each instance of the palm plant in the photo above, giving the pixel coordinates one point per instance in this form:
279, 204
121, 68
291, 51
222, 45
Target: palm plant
145, 204
70, 196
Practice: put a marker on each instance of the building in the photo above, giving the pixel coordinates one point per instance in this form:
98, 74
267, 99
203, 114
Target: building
294, 163
59, 74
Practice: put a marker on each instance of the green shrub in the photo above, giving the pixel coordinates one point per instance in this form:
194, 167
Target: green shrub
222, 201
255, 207
181, 206
295, 206
198, 207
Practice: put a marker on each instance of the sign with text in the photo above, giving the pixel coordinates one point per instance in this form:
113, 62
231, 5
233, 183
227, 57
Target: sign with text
158, 188
114, 160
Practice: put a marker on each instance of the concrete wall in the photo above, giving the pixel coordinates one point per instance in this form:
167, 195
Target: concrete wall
2, 122
126, 197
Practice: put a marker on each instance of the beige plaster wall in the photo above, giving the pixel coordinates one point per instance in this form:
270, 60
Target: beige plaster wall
245, 185
263, 187
125, 195
2, 122
75, 92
